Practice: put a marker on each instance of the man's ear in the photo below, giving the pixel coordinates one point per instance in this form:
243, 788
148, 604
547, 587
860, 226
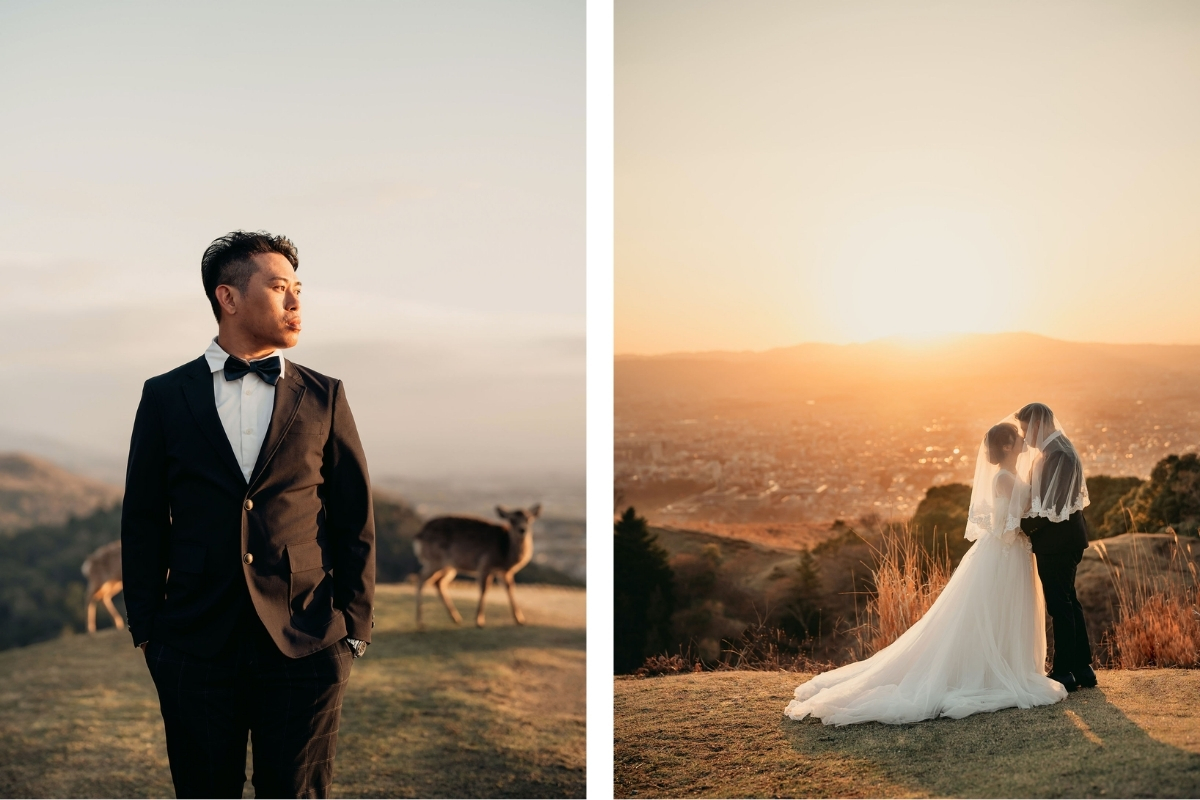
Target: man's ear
227, 298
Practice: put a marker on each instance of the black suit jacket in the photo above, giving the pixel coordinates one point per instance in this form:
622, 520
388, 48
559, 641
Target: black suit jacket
1053, 538
199, 542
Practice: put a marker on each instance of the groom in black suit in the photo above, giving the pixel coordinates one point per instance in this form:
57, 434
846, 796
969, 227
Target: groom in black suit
1058, 546
248, 540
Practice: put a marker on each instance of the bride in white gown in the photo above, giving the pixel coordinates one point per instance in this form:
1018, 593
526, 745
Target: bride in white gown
981, 646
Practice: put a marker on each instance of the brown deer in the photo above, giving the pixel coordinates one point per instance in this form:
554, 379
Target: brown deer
103, 571
449, 545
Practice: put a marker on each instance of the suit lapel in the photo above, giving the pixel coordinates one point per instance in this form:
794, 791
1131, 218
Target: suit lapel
289, 391
198, 391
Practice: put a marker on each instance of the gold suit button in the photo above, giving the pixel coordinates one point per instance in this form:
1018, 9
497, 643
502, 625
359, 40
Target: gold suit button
248, 558
249, 504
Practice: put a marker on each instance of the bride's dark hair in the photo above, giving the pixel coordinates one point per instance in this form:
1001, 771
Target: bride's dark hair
998, 437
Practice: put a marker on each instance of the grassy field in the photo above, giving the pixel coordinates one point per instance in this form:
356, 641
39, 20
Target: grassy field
497, 712
723, 734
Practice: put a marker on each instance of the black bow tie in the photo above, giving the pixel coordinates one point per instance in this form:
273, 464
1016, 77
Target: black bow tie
266, 368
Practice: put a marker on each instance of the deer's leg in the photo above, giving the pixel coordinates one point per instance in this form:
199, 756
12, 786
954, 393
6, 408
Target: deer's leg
512, 599
91, 606
448, 576
424, 580
107, 597
485, 578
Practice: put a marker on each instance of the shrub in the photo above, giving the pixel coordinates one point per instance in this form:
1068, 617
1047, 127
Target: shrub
801, 616
41, 587
710, 607
762, 647
941, 520
1105, 493
1170, 498
758, 647
396, 524
1157, 631
655, 666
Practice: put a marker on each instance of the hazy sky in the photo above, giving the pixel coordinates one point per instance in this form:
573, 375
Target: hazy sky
426, 157
838, 172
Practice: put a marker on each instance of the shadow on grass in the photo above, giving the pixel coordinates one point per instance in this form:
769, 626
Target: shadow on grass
1082, 747
466, 713
444, 744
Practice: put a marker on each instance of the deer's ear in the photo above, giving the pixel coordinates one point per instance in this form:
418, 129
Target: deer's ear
501, 512
535, 510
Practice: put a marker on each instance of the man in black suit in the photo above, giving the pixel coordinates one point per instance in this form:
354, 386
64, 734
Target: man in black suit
248, 540
1059, 535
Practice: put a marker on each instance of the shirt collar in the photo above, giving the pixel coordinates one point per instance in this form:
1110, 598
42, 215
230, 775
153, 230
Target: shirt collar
1051, 438
216, 356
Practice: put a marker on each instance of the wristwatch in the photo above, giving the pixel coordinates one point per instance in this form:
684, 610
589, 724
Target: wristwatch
357, 646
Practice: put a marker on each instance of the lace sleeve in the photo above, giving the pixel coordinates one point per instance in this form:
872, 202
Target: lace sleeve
1006, 513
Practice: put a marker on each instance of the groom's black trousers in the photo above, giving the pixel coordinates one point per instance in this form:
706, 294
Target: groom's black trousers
1072, 650
289, 707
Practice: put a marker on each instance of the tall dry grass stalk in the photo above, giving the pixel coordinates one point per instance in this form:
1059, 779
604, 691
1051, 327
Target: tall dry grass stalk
1158, 614
908, 579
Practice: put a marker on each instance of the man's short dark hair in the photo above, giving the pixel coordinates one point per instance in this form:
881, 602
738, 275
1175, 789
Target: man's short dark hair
1041, 409
227, 261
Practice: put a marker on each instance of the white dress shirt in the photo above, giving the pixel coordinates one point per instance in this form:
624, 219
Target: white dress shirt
244, 407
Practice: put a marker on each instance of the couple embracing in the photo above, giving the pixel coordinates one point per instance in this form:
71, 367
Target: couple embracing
982, 645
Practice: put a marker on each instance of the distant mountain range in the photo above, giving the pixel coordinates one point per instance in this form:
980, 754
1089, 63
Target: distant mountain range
989, 374
102, 465
36, 492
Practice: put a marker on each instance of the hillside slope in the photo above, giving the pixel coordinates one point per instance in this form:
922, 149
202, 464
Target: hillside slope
724, 735
498, 712
36, 492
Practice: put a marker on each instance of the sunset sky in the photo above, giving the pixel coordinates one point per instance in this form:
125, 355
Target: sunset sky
840, 172
427, 158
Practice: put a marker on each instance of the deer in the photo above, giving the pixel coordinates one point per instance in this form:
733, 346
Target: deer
103, 572
448, 545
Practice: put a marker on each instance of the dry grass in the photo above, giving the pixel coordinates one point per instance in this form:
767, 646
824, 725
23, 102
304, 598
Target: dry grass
1161, 631
723, 734
907, 580
1158, 615
656, 666
498, 712
759, 647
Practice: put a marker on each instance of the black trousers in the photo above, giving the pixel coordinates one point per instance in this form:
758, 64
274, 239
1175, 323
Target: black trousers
1071, 647
290, 709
